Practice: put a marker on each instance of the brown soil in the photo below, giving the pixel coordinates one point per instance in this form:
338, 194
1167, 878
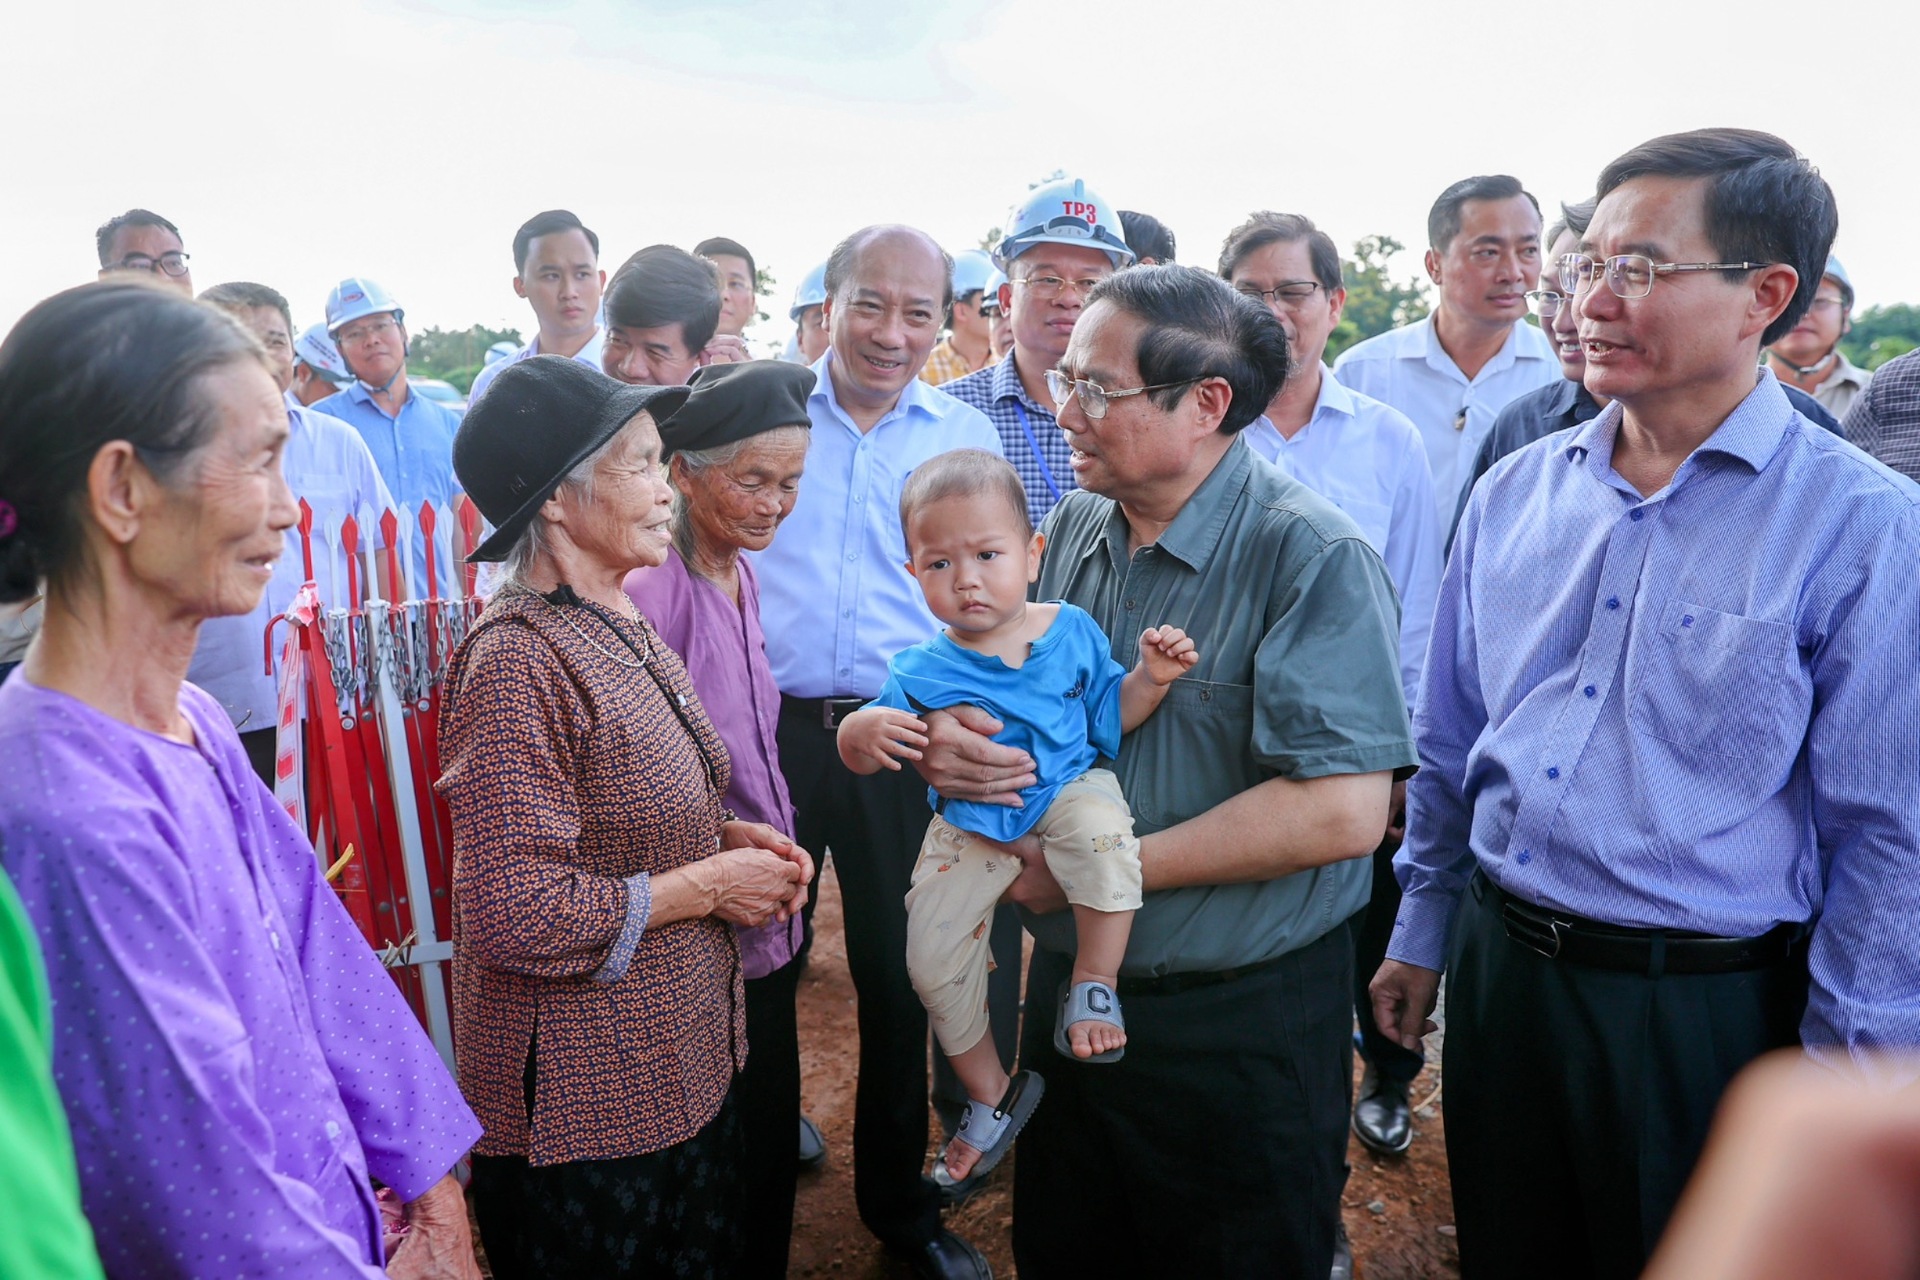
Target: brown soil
1399, 1212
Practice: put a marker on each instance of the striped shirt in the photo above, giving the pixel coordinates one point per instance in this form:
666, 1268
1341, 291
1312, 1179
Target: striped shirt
1885, 418
1029, 435
1698, 710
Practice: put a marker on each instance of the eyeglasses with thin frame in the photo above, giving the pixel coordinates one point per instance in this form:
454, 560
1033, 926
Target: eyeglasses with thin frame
353, 337
1288, 293
1631, 275
1094, 397
1546, 303
172, 263
1047, 288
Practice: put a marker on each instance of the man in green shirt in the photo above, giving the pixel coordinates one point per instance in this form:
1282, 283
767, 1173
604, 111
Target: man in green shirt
1259, 789
46, 1238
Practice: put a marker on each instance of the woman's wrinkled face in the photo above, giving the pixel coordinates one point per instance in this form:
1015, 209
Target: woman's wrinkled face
624, 518
208, 536
739, 504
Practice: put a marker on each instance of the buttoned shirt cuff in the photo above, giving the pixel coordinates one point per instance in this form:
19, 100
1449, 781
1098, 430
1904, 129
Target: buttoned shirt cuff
639, 909
1421, 929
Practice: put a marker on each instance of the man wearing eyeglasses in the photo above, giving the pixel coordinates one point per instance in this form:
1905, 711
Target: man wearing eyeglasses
1809, 356
1451, 372
1214, 1147
1669, 733
142, 240
1061, 239
411, 436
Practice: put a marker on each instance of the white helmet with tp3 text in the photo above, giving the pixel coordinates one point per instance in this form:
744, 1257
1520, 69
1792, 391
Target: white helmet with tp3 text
1063, 211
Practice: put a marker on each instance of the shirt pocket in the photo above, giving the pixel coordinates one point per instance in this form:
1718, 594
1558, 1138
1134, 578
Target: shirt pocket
1722, 684
1193, 752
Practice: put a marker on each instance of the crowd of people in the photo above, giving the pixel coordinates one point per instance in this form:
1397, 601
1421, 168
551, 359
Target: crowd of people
1564, 642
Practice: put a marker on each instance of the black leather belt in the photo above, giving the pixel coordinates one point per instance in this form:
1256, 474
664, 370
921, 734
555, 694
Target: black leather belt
1559, 935
1174, 983
825, 712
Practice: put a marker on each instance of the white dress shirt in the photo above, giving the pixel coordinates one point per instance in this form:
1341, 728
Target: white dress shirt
588, 355
1368, 460
1408, 369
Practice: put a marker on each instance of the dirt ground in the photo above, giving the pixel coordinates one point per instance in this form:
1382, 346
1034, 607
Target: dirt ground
1399, 1212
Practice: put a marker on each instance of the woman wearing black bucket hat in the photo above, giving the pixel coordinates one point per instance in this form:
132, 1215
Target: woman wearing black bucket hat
598, 1008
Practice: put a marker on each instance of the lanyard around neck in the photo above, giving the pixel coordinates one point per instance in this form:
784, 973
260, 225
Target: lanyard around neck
1033, 442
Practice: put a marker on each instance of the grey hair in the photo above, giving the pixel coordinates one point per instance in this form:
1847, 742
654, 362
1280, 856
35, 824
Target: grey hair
535, 543
696, 461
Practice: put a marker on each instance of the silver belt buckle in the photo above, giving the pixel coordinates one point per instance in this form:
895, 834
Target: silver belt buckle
1543, 936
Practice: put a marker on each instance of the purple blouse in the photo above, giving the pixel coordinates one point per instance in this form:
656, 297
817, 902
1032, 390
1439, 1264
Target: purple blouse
233, 1061
726, 656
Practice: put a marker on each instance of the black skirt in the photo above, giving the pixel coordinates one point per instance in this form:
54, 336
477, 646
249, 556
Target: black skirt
674, 1212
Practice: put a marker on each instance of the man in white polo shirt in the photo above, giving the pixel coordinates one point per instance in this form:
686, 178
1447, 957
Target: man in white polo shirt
556, 263
1453, 371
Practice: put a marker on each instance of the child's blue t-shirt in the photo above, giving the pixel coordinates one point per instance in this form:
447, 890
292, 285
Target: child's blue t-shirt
1062, 708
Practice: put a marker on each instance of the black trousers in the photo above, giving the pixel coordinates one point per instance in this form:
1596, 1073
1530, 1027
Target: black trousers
1214, 1148
670, 1213
1579, 1099
768, 1094
874, 826
1372, 930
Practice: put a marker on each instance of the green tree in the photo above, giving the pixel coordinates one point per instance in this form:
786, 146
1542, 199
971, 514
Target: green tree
989, 240
763, 282
454, 355
1375, 302
1881, 333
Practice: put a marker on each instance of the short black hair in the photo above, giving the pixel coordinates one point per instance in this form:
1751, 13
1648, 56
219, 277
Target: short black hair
552, 222
1266, 227
663, 284
238, 294
732, 248
1197, 326
964, 473
1765, 203
1443, 220
103, 238
118, 360
1147, 236
840, 262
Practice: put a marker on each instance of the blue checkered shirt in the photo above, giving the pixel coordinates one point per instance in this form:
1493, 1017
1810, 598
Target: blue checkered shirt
1885, 418
1035, 446
1698, 710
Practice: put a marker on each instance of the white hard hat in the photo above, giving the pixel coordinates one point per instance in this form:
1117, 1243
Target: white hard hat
811, 291
316, 350
1063, 211
972, 268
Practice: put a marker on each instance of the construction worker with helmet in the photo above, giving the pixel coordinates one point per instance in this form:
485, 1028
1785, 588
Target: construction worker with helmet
1809, 357
1061, 239
968, 346
809, 316
999, 331
410, 435
318, 370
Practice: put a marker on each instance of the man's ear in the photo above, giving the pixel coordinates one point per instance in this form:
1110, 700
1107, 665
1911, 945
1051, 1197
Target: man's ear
1773, 290
1212, 397
1433, 265
519, 287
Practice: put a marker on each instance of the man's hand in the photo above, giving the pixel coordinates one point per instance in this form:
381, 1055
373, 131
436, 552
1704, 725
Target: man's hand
1403, 998
1166, 654
1397, 815
726, 348
880, 737
1034, 888
963, 762
437, 1245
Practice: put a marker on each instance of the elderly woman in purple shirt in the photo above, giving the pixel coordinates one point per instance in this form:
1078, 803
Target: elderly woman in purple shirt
235, 1066
736, 449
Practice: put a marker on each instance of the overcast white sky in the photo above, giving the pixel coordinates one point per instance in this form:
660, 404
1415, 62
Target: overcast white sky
406, 139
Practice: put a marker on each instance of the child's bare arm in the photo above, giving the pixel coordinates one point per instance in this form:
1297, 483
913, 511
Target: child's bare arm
875, 738
1166, 653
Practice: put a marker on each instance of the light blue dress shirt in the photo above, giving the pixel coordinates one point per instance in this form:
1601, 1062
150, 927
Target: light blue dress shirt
326, 463
1368, 460
836, 601
1409, 369
415, 455
1698, 710
588, 355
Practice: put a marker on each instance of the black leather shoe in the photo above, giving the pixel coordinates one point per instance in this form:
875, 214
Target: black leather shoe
947, 1257
1382, 1119
1342, 1254
813, 1146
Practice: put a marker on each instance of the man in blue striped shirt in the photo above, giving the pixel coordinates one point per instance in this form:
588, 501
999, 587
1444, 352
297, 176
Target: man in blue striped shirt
1669, 732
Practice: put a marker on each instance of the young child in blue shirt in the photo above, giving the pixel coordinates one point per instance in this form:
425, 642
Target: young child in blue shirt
1046, 671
